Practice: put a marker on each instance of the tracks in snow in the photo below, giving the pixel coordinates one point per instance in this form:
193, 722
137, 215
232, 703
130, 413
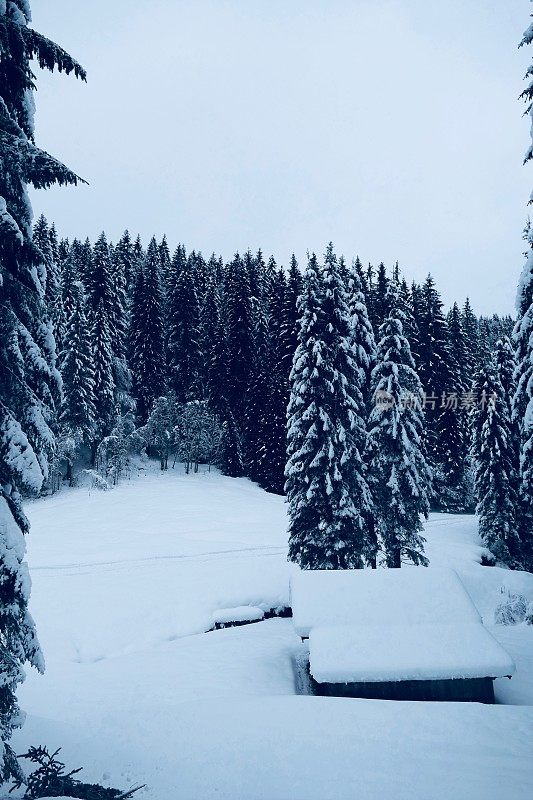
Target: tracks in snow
209, 555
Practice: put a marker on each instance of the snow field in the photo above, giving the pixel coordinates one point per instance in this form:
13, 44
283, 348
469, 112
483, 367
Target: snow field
124, 585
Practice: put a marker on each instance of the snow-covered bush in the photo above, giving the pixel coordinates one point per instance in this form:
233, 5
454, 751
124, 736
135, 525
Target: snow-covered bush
113, 454
69, 445
96, 481
513, 609
187, 432
198, 435
159, 432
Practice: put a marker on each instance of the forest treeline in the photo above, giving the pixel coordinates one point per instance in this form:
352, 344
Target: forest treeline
192, 357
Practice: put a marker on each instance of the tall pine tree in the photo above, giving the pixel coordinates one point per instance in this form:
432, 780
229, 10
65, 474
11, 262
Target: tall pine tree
523, 340
328, 495
100, 294
28, 382
400, 477
183, 346
147, 358
496, 479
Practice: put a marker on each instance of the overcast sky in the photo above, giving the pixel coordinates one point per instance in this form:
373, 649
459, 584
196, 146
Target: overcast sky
391, 127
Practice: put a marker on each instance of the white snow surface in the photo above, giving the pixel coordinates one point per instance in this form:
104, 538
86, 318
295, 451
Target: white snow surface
126, 582
410, 596
370, 653
238, 614
315, 748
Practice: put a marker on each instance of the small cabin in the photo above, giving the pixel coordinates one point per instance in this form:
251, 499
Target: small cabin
397, 634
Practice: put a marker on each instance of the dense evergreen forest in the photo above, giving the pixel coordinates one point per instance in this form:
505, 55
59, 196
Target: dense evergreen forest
191, 358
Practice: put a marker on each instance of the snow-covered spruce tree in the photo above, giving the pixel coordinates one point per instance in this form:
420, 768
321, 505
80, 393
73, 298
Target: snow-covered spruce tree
231, 458
505, 363
166, 262
45, 240
457, 348
522, 333
379, 296
214, 349
70, 274
266, 401
452, 477
240, 335
53, 300
400, 478
363, 342
86, 263
410, 326
44, 332
365, 354
119, 327
328, 495
177, 264
293, 290
199, 269
77, 415
184, 358
523, 342
273, 439
472, 344
124, 256
27, 381
433, 356
99, 287
496, 480
440, 382
256, 420
118, 301
147, 357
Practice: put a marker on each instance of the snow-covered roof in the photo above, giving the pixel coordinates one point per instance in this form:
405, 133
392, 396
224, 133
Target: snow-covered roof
368, 653
407, 596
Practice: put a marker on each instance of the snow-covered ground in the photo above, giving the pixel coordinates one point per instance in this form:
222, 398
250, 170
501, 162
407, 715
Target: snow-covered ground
125, 584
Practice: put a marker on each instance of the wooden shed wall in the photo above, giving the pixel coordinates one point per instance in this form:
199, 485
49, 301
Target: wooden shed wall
474, 690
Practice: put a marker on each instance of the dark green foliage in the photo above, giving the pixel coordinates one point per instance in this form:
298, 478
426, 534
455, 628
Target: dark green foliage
101, 309
379, 297
472, 342
50, 779
214, 350
231, 456
185, 368
238, 310
147, 357
78, 412
126, 261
